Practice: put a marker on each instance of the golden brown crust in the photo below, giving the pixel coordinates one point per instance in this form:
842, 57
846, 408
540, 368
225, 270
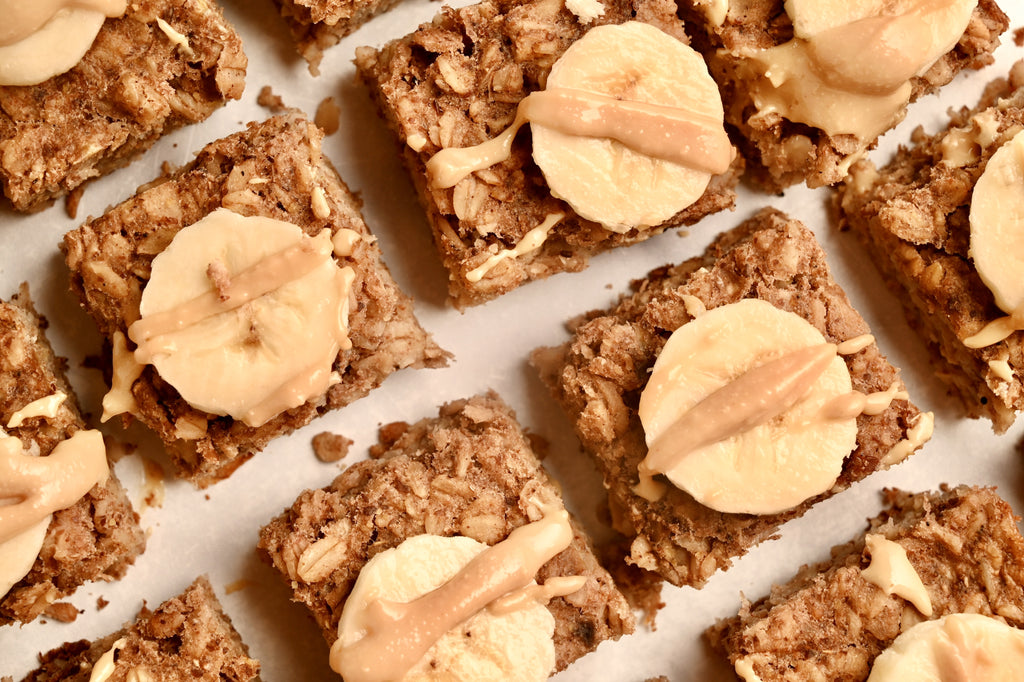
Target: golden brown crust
457, 82
270, 169
319, 24
188, 638
912, 218
598, 377
132, 86
468, 472
99, 536
829, 623
780, 152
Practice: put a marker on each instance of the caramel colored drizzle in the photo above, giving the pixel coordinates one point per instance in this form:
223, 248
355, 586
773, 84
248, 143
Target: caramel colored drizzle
659, 131
399, 634
997, 330
43, 407
38, 486
531, 241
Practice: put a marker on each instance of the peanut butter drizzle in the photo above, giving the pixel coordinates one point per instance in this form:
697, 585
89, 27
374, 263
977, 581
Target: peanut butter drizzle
399, 634
891, 571
531, 241
22, 18
558, 586
997, 330
43, 407
755, 397
39, 486
659, 131
263, 277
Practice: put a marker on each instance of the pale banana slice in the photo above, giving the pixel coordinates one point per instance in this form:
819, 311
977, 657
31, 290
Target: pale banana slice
771, 466
515, 645
904, 38
19, 553
963, 646
44, 38
602, 179
997, 225
267, 338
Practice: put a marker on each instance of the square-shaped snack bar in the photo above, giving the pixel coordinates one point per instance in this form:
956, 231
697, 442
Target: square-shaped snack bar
912, 216
780, 151
319, 24
136, 83
274, 169
829, 622
98, 537
188, 637
457, 82
470, 471
598, 377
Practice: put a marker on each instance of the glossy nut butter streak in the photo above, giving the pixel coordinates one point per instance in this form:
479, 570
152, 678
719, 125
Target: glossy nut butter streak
664, 132
35, 487
399, 634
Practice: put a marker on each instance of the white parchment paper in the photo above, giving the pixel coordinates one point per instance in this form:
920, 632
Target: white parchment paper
215, 531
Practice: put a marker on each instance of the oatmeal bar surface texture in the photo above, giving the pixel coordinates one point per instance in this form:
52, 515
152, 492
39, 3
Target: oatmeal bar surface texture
912, 217
829, 623
187, 638
470, 472
319, 24
599, 375
134, 84
456, 82
274, 169
98, 537
779, 151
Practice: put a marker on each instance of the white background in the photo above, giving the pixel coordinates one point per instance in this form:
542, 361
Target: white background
215, 531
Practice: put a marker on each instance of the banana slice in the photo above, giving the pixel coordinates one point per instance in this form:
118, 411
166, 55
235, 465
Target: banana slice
997, 225
19, 553
244, 316
768, 467
514, 645
602, 179
44, 39
904, 38
960, 646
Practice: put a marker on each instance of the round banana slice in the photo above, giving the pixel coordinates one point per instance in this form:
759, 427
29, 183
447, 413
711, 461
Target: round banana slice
771, 466
41, 40
960, 646
602, 179
244, 316
997, 225
18, 554
514, 645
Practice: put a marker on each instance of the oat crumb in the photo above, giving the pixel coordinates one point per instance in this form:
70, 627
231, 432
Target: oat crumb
388, 435
330, 447
237, 586
1018, 36
327, 116
268, 100
62, 611
101, 603
71, 201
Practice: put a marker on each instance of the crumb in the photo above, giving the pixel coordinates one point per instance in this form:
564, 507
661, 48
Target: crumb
206, 497
388, 435
101, 603
330, 447
659, 678
1018, 36
682, 233
327, 114
640, 587
71, 201
540, 445
237, 586
268, 100
167, 169
219, 277
62, 611
153, 486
